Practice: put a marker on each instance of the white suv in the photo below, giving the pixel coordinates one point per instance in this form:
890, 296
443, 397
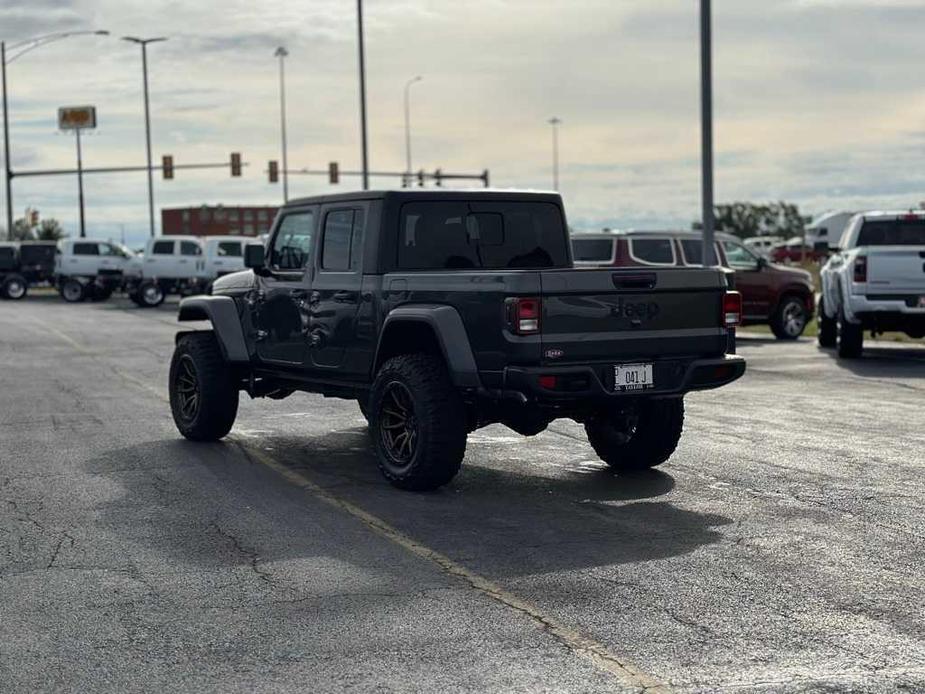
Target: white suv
875, 281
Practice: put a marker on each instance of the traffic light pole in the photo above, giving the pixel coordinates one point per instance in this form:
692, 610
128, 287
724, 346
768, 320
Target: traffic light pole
80, 186
8, 178
706, 126
144, 70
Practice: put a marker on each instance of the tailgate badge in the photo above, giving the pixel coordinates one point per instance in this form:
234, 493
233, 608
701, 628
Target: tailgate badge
554, 353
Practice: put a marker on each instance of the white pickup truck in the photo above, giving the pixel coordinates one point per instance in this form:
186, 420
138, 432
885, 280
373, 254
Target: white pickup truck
874, 281
90, 268
182, 265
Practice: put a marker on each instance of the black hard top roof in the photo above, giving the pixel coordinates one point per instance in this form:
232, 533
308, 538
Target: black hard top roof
412, 194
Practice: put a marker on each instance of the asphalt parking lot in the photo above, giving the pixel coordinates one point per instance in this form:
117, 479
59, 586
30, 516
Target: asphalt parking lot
781, 549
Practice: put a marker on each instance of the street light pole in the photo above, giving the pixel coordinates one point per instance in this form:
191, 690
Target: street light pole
418, 78
554, 122
706, 127
281, 53
144, 70
362, 61
22, 47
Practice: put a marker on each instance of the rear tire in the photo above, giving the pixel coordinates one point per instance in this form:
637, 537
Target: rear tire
203, 395
639, 436
850, 339
790, 317
417, 422
828, 328
150, 295
14, 287
73, 291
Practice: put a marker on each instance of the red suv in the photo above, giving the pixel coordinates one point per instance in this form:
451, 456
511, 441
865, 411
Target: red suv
778, 296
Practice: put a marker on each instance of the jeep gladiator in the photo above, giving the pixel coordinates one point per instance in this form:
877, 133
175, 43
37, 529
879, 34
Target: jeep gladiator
444, 311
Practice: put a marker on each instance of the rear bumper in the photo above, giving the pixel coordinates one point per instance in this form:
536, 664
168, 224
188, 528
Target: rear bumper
596, 381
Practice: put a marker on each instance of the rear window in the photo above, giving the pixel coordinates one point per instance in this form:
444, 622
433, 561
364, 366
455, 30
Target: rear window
652, 251
592, 250
894, 232
488, 235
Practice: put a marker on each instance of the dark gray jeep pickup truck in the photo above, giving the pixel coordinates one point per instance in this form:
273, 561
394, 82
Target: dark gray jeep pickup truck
441, 312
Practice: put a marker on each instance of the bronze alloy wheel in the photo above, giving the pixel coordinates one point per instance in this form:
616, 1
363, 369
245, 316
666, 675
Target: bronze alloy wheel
187, 389
398, 425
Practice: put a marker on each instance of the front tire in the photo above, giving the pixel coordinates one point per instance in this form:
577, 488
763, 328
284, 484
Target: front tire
73, 291
828, 328
790, 318
638, 436
14, 287
417, 422
150, 295
203, 395
850, 338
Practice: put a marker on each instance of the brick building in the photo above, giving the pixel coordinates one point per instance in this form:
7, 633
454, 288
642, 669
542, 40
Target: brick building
217, 220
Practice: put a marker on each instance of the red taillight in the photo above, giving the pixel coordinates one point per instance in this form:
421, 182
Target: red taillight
548, 382
860, 268
732, 309
523, 315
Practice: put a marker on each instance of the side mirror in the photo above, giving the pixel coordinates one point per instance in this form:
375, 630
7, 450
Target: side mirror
821, 247
255, 256
762, 262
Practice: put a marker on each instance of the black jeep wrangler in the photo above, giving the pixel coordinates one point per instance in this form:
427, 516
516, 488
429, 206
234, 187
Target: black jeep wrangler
441, 312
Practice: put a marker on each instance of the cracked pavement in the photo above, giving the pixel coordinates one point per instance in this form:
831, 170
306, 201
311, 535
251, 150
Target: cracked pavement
781, 549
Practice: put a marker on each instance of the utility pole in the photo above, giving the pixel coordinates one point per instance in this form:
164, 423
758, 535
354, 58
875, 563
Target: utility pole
554, 122
281, 53
144, 70
8, 178
362, 95
706, 127
407, 181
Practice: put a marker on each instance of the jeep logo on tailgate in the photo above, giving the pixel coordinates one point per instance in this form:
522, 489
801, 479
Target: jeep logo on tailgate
636, 311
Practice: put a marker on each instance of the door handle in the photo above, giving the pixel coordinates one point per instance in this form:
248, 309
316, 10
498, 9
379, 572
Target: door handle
344, 297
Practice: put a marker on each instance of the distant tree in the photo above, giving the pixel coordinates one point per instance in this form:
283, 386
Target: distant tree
50, 230
747, 219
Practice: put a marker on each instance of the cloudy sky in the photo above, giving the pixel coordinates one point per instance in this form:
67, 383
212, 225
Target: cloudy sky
820, 102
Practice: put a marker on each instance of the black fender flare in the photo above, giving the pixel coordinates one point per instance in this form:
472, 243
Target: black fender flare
451, 334
223, 314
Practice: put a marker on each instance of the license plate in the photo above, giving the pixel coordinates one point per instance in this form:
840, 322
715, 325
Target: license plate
633, 377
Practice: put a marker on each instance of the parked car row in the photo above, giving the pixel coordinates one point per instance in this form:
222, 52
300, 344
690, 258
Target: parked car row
92, 269
778, 296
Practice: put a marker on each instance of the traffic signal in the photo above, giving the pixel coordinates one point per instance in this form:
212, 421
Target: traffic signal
167, 166
274, 171
421, 178
438, 176
333, 172
33, 218
235, 163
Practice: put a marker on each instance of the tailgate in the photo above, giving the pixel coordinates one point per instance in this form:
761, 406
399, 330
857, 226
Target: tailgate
899, 268
620, 315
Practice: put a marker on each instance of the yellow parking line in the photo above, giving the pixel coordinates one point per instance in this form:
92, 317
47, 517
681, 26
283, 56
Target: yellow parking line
625, 671
622, 669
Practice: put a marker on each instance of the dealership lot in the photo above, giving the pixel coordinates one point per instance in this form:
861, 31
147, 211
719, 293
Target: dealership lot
781, 548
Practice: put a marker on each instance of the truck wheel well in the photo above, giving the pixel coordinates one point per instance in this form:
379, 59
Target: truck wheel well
407, 337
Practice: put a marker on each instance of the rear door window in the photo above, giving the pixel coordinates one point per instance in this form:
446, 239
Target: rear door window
229, 249
86, 248
650, 251
162, 248
592, 250
481, 235
190, 248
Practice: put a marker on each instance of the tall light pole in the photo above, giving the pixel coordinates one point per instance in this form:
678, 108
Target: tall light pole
418, 78
144, 71
554, 122
706, 130
19, 49
281, 53
362, 61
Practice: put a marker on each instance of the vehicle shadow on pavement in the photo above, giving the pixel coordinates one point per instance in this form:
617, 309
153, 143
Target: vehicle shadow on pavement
214, 505
885, 362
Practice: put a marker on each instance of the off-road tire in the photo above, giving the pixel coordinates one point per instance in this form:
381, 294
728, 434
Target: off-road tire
212, 418
72, 291
438, 422
656, 435
785, 319
850, 339
14, 287
827, 328
150, 295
